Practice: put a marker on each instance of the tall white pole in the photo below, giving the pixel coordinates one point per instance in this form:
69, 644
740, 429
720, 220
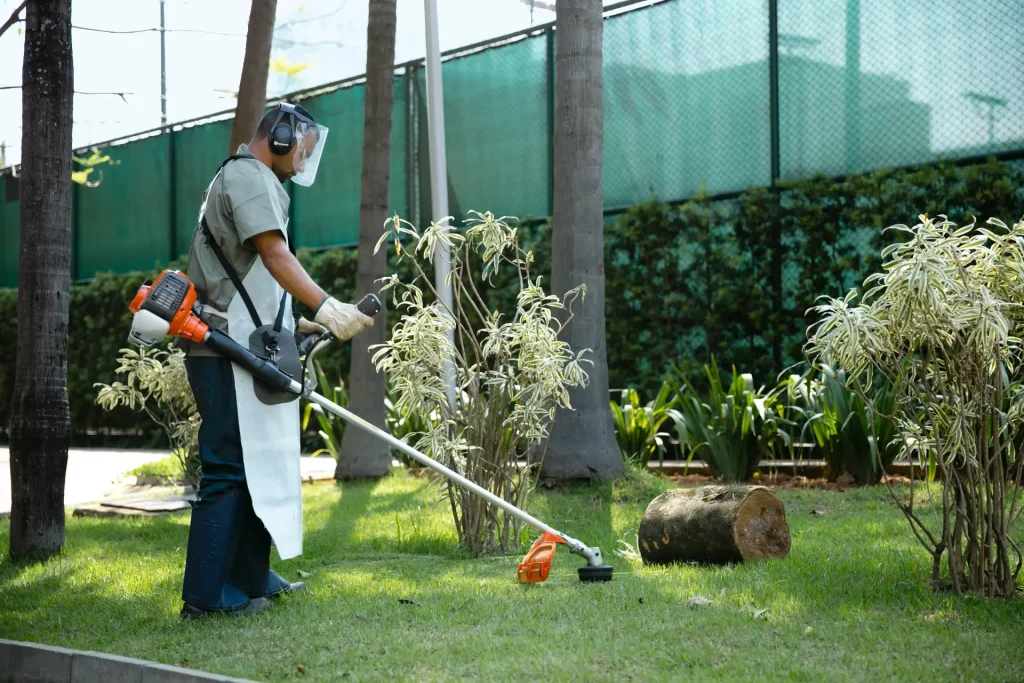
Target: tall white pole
438, 171
163, 67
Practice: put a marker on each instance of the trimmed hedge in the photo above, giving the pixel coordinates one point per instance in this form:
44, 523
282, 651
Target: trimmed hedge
683, 282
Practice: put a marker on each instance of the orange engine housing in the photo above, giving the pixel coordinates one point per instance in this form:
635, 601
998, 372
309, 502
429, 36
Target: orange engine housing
173, 297
537, 564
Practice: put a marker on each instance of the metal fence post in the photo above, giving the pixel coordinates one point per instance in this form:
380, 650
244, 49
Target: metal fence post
549, 37
773, 84
410, 143
75, 236
173, 190
851, 99
776, 172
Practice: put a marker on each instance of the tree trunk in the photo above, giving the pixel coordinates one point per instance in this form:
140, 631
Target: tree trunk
363, 455
714, 525
40, 421
252, 88
582, 442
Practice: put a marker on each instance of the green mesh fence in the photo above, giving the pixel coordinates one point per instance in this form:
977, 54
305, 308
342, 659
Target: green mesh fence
866, 84
124, 223
198, 151
686, 100
698, 94
496, 111
10, 231
327, 214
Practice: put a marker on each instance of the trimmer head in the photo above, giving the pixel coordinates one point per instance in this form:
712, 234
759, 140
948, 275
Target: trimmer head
535, 566
601, 572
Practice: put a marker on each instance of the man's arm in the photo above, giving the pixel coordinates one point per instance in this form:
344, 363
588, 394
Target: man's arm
286, 269
343, 320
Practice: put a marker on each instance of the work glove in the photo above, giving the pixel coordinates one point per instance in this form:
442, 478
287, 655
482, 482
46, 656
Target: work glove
308, 327
343, 320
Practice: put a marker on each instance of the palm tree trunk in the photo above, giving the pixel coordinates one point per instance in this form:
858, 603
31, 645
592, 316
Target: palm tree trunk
252, 88
362, 455
40, 420
582, 442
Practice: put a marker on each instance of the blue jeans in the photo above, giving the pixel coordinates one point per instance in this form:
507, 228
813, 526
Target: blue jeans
220, 443
228, 557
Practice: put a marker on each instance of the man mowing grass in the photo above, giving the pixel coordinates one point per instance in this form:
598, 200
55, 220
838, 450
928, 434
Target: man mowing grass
247, 279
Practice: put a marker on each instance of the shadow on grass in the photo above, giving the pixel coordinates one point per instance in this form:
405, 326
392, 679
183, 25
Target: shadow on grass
135, 538
370, 518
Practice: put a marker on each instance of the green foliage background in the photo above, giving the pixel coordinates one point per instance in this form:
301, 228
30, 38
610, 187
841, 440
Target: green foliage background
683, 282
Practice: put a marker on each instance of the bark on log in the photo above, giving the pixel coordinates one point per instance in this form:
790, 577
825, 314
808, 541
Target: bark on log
714, 525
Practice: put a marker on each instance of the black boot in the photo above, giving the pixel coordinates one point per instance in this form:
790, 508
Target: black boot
251, 571
212, 545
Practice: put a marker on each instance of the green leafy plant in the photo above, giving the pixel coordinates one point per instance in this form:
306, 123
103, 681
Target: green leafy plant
854, 436
733, 430
88, 164
156, 384
406, 425
942, 322
332, 427
638, 427
510, 368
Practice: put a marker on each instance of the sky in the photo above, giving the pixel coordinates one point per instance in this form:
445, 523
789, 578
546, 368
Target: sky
203, 69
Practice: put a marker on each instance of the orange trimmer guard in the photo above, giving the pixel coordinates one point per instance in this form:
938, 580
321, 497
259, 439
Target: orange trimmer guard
535, 566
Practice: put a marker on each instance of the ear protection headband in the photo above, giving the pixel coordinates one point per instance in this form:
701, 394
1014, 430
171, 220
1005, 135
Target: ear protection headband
282, 134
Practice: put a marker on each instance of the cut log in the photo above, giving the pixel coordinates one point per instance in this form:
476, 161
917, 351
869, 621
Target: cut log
714, 525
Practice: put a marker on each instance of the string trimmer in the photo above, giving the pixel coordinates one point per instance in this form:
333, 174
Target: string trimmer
168, 308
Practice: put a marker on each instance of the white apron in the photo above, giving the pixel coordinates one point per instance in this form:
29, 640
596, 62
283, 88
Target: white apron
270, 433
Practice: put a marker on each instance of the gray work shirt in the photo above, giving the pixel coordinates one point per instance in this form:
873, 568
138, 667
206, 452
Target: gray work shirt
245, 200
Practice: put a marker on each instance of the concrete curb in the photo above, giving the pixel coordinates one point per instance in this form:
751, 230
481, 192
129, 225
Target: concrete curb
23, 662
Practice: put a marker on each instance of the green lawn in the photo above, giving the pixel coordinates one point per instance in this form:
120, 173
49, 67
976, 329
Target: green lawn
849, 603
170, 467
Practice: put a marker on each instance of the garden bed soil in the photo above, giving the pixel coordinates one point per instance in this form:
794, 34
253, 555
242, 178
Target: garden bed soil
781, 480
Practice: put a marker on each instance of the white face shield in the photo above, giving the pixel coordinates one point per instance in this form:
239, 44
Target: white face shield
309, 146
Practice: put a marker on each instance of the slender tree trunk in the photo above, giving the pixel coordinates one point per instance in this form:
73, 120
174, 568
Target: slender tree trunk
40, 420
582, 442
362, 455
252, 89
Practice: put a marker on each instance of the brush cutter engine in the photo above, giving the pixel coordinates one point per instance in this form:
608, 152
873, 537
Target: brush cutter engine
168, 308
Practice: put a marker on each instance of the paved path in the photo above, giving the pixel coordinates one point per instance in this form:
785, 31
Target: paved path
92, 471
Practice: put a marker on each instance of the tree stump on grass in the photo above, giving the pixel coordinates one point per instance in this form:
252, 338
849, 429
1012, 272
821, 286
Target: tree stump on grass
714, 525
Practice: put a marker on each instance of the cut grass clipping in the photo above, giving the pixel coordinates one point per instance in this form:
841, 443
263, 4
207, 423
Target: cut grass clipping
390, 597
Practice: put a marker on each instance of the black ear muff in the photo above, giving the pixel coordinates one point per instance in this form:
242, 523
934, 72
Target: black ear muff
282, 135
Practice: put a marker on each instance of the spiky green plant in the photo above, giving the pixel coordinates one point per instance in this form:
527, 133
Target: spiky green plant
332, 427
843, 425
942, 323
511, 369
733, 430
156, 384
638, 427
